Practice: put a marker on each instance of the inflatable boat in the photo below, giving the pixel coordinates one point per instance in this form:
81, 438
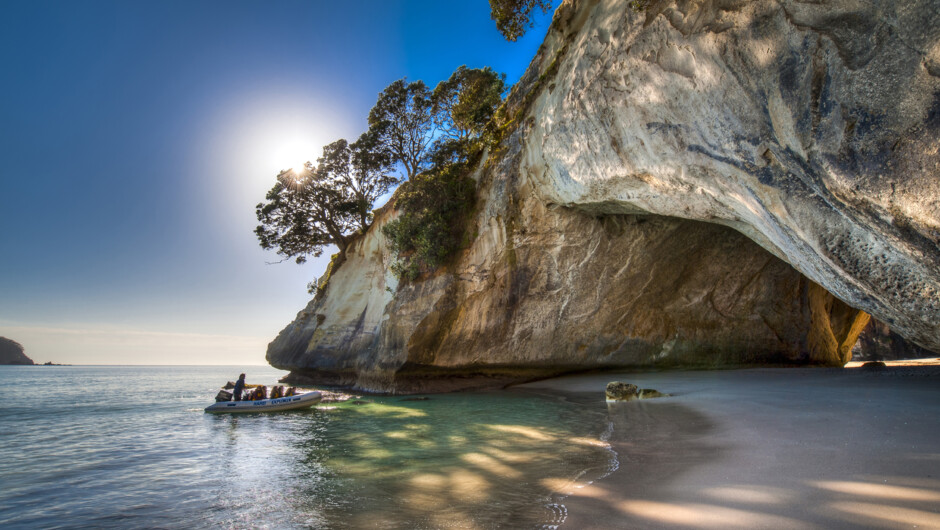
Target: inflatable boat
299, 401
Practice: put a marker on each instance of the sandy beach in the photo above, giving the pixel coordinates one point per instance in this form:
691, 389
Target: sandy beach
768, 448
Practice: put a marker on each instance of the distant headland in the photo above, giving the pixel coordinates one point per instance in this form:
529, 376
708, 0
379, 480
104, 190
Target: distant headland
11, 352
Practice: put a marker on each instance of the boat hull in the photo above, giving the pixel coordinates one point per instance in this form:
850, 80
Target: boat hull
300, 401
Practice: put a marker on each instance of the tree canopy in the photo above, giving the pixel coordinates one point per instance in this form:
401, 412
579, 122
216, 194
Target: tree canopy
402, 123
303, 213
465, 102
433, 136
514, 17
434, 207
323, 205
361, 170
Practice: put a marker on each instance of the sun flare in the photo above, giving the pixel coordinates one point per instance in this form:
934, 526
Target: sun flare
292, 154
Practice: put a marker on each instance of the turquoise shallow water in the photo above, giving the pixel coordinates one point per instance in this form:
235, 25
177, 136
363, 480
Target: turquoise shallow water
130, 447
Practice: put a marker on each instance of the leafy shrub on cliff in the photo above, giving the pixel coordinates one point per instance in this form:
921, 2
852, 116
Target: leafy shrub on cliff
434, 205
434, 208
514, 17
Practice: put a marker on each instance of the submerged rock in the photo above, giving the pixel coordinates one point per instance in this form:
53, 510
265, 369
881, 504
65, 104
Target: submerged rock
649, 393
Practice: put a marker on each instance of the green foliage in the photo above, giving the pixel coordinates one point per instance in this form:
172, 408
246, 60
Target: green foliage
303, 213
434, 206
318, 285
402, 124
361, 170
465, 103
514, 17
323, 205
434, 136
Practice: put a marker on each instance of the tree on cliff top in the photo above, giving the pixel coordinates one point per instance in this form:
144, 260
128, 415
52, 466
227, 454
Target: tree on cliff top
434, 205
361, 169
514, 17
436, 133
323, 205
402, 124
302, 214
465, 102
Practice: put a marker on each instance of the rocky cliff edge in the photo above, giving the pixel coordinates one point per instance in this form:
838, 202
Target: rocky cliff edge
688, 184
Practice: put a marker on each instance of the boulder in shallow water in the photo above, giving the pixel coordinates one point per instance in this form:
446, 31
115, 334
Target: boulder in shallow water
223, 396
620, 391
649, 393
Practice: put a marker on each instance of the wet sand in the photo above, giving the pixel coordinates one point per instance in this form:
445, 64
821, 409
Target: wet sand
768, 448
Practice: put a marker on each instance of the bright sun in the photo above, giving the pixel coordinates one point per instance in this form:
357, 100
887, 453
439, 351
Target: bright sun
292, 154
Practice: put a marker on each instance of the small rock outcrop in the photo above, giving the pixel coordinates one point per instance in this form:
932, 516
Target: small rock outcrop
620, 391
649, 393
874, 366
11, 352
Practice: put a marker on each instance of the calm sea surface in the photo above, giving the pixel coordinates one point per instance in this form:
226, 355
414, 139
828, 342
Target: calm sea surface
130, 447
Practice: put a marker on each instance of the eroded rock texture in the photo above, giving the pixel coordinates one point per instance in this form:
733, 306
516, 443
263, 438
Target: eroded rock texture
544, 290
878, 343
598, 241
811, 127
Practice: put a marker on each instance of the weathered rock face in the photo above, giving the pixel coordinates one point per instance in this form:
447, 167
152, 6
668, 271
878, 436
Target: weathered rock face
11, 352
878, 343
546, 290
811, 127
808, 128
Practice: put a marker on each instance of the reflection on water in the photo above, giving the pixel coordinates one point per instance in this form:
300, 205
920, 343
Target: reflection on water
457, 460
93, 454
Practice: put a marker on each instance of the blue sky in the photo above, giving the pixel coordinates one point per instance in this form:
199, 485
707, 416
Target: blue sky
138, 136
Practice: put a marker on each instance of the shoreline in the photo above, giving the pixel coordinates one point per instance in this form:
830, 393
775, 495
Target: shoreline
806, 448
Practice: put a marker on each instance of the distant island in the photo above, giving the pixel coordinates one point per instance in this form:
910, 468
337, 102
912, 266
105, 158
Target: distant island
11, 352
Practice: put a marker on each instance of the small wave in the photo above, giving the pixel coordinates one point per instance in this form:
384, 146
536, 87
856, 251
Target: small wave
558, 515
614, 463
559, 512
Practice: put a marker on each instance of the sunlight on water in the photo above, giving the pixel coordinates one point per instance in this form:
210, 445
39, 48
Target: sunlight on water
131, 447
459, 460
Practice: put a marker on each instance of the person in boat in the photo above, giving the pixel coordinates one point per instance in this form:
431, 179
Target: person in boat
239, 386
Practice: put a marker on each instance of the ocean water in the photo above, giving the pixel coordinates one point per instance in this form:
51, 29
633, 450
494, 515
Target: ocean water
130, 447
